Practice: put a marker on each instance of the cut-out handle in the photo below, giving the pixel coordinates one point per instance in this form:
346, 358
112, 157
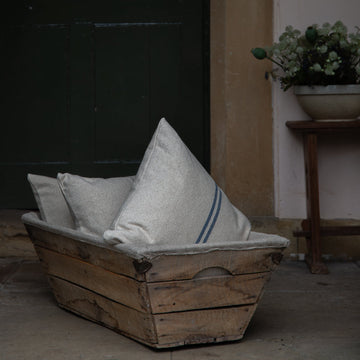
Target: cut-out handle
212, 271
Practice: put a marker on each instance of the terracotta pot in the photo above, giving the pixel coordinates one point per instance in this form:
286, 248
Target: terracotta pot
330, 103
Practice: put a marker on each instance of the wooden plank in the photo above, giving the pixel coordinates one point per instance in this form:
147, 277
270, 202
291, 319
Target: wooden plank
122, 94
163, 267
236, 262
81, 122
116, 287
99, 309
192, 327
106, 258
347, 230
313, 204
324, 126
33, 72
203, 293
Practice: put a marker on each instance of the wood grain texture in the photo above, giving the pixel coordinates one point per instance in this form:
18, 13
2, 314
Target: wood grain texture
163, 267
111, 260
97, 308
165, 301
203, 326
347, 230
311, 226
116, 287
312, 195
324, 126
204, 293
236, 262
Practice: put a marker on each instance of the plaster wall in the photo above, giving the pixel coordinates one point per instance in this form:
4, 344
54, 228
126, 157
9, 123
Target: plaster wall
260, 164
241, 113
339, 156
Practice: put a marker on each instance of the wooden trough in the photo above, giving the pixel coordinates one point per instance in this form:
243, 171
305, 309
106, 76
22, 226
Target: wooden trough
160, 298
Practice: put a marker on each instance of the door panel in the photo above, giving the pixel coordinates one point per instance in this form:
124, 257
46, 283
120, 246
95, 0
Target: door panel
35, 95
86, 82
122, 96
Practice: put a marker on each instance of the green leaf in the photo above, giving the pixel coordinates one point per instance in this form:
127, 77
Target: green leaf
311, 34
259, 53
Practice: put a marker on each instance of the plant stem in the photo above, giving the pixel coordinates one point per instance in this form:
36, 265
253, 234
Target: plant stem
275, 62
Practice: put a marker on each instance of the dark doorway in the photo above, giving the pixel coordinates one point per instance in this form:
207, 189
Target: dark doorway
85, 83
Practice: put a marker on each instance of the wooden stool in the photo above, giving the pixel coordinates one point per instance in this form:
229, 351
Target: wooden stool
311, 228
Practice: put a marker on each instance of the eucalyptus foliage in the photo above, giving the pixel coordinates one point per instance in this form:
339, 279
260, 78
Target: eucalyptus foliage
326, 55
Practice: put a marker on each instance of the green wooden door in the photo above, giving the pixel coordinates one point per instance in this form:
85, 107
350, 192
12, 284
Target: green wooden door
84, 84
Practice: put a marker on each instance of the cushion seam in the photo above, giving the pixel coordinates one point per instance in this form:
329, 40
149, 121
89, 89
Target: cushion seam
68, 203
130, 196
39, 202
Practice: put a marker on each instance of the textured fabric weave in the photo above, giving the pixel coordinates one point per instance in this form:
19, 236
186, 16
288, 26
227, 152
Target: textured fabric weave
144, 251
94, 202
175, 201
50, 201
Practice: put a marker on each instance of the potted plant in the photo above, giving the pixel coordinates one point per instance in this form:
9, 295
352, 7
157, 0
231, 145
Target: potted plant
323, 66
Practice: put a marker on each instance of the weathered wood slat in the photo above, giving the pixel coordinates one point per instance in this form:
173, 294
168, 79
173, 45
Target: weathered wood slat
111, 260
324, 126
349, 230
181, 267
162, 268
202, 293
162, 301
201, 326
95, 307
116, 287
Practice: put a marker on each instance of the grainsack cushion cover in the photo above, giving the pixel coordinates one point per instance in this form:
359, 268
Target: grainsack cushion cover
50, 201
94, 202
175, 201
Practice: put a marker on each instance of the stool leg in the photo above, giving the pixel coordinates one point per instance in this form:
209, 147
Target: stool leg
313, 207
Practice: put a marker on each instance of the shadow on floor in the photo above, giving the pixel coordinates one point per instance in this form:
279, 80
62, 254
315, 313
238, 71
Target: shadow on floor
301, 316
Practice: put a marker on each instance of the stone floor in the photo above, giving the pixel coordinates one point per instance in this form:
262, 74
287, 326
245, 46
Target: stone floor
301, 316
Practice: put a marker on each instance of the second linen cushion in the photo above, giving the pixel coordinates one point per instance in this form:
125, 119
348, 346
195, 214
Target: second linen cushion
50, 200
94, 202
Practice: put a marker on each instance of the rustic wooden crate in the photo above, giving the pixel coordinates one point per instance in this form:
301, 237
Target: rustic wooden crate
164, 301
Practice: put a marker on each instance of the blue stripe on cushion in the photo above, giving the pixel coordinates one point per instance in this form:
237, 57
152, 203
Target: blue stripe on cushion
209, 216
214, 220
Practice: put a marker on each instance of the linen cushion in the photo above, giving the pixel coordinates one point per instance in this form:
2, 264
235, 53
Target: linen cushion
175, 201
50, 201
94, 202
